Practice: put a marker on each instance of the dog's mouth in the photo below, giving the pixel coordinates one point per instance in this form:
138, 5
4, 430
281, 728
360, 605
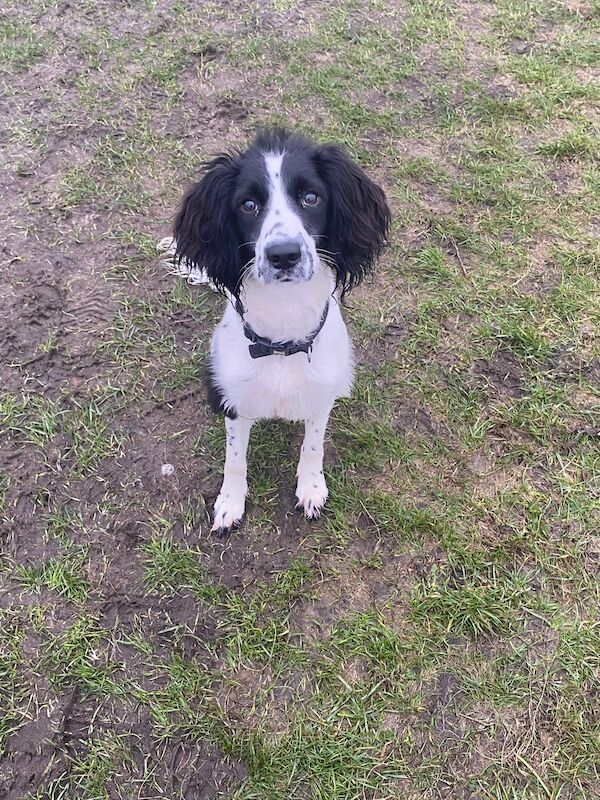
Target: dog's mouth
302, 270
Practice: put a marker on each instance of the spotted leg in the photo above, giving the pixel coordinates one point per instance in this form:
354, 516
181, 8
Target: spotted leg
230, 504
311, 491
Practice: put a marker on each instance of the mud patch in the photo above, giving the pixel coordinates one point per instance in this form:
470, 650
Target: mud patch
29, 757
501, 376
55, 749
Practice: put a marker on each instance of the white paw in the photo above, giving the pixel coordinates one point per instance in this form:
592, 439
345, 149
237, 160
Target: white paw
311, 494
228, 511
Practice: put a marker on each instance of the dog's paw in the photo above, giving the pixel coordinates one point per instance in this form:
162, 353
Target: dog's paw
311, 495
228, 513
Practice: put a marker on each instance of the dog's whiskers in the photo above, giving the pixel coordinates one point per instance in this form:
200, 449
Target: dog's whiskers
327, 258
245, 271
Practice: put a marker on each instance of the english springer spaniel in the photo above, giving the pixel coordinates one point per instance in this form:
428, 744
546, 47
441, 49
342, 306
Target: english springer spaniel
283, 230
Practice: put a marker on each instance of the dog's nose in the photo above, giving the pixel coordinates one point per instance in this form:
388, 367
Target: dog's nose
283, 255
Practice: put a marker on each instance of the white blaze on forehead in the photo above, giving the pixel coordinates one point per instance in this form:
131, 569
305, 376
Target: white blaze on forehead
281, 221
282, 224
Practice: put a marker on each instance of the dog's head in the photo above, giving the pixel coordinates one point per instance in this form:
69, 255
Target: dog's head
278, 211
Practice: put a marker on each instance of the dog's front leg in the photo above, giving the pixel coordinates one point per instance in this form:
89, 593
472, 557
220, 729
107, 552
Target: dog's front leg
230, 504
311, 491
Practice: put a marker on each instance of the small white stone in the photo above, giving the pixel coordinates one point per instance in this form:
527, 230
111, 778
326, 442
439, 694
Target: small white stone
167, 469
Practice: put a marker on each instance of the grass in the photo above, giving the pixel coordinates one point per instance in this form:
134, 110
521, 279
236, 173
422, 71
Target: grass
13, 694
435, 633
465, 607
54, 574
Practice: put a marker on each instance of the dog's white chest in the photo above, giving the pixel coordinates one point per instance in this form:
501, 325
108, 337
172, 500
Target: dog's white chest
290, 387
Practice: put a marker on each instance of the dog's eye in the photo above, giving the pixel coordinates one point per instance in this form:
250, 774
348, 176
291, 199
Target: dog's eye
250, 206
310, 199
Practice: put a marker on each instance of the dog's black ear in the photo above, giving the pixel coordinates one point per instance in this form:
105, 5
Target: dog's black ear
359, 217
204, 228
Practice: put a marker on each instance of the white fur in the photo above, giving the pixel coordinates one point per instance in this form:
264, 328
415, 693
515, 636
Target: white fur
290, 387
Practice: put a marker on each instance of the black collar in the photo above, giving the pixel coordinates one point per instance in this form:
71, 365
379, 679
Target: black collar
261, 346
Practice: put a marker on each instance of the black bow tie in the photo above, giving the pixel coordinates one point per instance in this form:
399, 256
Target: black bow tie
261, 346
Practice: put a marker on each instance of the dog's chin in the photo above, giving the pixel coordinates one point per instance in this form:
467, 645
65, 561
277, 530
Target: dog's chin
266, 274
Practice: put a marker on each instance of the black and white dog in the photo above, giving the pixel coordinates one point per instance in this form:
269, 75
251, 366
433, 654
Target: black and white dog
279, 229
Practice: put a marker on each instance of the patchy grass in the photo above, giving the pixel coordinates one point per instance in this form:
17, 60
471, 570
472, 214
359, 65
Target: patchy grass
463, 606
434, 634
63, 577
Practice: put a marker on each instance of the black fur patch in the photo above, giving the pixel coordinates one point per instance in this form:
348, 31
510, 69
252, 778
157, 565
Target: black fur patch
215, 396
